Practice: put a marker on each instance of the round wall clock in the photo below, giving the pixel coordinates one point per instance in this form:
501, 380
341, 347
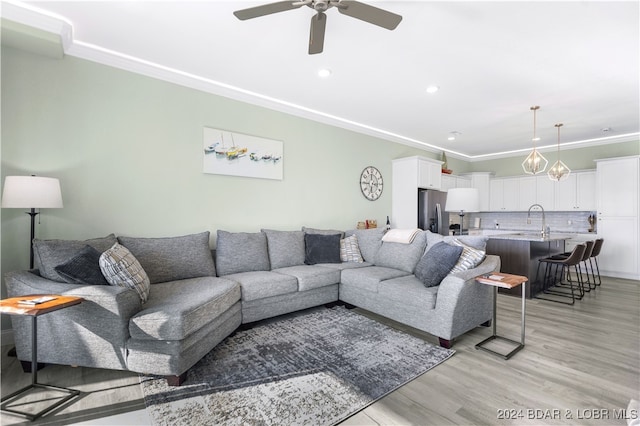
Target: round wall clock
371, 183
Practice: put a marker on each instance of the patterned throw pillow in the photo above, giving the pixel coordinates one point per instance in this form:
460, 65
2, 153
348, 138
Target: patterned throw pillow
470, 257
122, 269
349, 250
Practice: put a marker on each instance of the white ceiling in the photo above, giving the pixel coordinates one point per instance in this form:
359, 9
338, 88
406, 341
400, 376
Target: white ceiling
577, 60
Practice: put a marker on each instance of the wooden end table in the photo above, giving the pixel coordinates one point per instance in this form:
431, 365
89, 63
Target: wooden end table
509, 281
12, 306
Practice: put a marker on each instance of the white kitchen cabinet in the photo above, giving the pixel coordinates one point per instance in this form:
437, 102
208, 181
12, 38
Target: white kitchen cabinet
409, 174
527, 192
452, 181
619, 254
504, 194
429, 173
577, 192
546, 192
618, 195
481, 182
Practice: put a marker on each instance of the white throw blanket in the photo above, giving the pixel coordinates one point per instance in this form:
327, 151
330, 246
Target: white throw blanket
403, 236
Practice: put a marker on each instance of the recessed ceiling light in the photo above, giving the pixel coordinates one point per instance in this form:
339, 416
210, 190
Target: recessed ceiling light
324, 72
453, 135
432, 89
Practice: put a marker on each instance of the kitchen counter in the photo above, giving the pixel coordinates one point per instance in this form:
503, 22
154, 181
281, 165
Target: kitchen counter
520, 253
532, 236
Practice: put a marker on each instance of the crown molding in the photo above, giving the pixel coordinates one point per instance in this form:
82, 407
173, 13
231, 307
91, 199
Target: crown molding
44, 20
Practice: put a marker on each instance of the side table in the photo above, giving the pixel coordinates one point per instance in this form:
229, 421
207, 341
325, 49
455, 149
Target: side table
12, 306
502, 280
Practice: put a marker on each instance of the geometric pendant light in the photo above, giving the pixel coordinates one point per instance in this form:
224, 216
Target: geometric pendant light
535, 162
559, 171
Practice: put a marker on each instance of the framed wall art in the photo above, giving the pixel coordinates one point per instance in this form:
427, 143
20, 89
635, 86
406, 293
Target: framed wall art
237, 154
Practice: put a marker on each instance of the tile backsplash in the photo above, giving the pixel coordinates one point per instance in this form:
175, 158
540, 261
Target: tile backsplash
557, 221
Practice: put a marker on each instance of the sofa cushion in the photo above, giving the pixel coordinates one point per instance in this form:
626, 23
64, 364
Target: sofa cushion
84, 268
173, 258
408, 291
311, 276
349, 250
436, 263
321, 248
369, 278
286, 248
241, 252
401, 256
122, 269
177, 309
469, 258
260, 284
432, 239
369, 242
47, 254
345, 265
322, 231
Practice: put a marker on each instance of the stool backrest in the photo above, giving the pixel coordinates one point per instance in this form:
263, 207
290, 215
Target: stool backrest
576, 255
587, 250
597, 246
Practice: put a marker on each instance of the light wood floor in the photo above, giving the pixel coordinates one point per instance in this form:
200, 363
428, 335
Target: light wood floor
581, 365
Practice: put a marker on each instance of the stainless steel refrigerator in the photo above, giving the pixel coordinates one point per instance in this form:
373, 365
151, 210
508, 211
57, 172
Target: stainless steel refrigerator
431, 214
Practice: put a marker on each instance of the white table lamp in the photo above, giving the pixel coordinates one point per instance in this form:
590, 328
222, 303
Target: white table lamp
31, 192
462, 200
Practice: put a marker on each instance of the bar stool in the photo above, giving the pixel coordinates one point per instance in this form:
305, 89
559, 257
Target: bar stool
597, 247
565, 264
585, 257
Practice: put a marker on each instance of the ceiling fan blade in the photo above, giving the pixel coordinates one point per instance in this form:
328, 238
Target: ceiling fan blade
267, 9
316, 36
370, 14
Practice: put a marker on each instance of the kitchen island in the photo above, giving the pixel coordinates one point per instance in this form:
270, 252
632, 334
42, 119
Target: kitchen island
520, 252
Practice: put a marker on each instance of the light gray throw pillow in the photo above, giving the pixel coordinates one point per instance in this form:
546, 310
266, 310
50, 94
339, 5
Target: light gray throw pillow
241, 252
286, 248
173, 258
369, 242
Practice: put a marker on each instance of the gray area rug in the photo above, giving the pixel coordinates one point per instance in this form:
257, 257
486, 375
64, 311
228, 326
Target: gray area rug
317, 367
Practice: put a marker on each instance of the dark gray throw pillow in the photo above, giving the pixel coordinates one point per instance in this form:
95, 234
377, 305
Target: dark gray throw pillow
434, 266
83, 268
321, 248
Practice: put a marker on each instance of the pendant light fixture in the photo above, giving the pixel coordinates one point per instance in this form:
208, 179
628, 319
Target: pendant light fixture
559, 171
535, 162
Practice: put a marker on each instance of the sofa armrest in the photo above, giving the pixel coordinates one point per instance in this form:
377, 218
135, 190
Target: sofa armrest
93, 333
462, 303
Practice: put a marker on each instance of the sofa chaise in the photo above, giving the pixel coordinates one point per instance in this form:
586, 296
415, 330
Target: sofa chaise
193, 302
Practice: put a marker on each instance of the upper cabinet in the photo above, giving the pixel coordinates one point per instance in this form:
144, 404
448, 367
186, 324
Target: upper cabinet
452, 181
577, 192
617, 187
504, 194
409, 174
429, 173
481, 182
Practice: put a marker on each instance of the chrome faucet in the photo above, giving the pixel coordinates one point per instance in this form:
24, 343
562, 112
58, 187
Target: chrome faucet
545, 231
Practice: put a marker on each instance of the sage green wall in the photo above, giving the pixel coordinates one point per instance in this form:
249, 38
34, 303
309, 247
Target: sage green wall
576, 159
128, 152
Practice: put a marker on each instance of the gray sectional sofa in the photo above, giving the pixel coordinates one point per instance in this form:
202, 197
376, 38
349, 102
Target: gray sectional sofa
194, 303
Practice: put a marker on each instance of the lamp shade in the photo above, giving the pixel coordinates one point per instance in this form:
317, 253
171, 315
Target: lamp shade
31, 192
463, 200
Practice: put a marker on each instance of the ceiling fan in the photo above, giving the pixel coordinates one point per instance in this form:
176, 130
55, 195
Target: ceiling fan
355, 9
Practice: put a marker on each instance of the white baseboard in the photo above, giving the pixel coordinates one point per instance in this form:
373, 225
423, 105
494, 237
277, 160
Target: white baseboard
615, 274
6, 337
